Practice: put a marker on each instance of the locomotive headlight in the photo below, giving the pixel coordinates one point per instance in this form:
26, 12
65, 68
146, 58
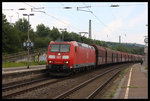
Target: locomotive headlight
50, 61
51, 56
65, 57
66, 62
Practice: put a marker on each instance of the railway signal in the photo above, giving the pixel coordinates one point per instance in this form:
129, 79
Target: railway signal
28, 41
26, 44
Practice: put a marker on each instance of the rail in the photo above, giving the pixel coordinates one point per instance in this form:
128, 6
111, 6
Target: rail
92, 95
13, 87
70, 91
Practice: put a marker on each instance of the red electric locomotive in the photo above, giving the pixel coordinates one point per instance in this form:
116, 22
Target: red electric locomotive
64, 58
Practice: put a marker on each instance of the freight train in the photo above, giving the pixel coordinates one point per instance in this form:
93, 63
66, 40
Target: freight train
65, 58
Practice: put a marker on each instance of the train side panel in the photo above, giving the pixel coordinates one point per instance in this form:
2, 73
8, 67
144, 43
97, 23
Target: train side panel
100, 54
85, 56
114, 56
109, 56
118, 56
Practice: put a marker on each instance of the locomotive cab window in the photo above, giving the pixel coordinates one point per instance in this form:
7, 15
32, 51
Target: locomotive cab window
54, 48
64, 48
59, 48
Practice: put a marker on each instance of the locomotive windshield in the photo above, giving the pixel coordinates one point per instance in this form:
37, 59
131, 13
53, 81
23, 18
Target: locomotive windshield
59, 48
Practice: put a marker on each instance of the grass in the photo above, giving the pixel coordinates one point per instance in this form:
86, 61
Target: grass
146, 67
117, 86
17, 64
123, 72
129, 87
113, 92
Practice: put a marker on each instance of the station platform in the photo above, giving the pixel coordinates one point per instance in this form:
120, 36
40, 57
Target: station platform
134, 85
22, 69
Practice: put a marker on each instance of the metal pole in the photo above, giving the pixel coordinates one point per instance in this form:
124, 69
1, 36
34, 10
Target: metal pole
119, 39
28, 43
62, 38
63, 35
90, 29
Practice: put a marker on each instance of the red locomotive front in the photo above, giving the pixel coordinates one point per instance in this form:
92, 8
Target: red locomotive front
68, 57
59, 56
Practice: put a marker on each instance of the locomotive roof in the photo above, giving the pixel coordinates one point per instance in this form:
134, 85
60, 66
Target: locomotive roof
75, 43
92, 47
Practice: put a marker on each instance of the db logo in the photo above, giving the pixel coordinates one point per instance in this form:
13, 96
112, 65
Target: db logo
58, 57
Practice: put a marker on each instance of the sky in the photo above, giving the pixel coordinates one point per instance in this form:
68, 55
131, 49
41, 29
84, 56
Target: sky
129, 20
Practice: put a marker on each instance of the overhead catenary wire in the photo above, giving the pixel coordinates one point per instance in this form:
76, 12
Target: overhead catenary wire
61, 21
73, 13
99, 19
75, 16
76, 6
55, 18
99, 6
29, 5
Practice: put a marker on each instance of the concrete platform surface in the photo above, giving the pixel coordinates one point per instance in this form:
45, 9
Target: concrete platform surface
22, 68
135, 84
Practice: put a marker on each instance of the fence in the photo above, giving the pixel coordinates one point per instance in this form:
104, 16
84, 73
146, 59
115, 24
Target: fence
23, 54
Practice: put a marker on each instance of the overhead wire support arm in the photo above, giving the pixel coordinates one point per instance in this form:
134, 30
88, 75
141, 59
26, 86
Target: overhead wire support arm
84, 10
32, 10
98, 18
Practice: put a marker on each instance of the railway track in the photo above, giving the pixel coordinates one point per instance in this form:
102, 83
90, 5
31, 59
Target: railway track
23, 85
12, 91
69, 94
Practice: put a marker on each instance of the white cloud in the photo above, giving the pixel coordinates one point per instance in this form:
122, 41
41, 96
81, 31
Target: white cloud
139, 38
136, 21
111, 28
64, 24
127, 11
18, 13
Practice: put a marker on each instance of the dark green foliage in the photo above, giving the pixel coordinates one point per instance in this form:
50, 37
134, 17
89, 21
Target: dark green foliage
54, 34
14, 36
42, 31
22, 25
124, 47
41, 42
10, 37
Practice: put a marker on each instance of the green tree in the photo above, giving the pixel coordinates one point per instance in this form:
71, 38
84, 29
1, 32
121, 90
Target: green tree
55, 34
41, 42
10, 37
22, 25
74, 37
42, 31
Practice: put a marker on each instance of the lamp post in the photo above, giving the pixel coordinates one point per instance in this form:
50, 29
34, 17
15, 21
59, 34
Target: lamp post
28, 41
62, 33
119, 39
146, 49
